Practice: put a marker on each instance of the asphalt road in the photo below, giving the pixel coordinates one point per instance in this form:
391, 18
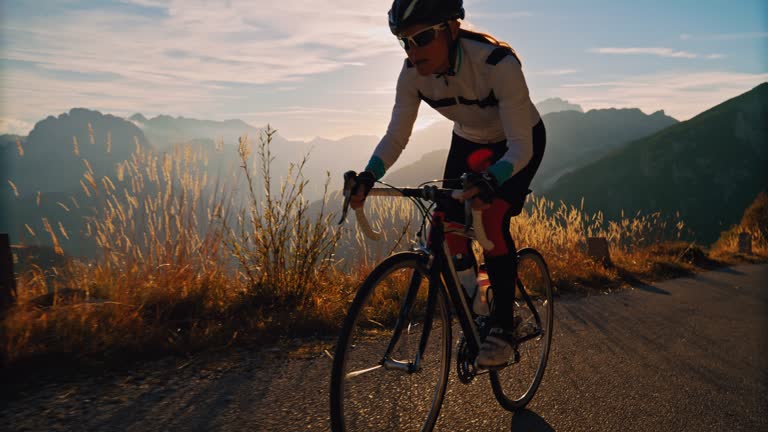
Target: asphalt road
688, 354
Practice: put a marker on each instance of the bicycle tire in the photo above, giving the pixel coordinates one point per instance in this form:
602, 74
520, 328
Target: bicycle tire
365, 335
512, 386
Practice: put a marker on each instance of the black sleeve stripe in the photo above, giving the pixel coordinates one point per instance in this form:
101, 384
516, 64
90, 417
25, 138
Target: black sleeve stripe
440, 103
489, 101
498, 55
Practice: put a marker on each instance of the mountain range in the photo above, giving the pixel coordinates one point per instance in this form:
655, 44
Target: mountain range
709, 168
556, 105
55, 151
573, 140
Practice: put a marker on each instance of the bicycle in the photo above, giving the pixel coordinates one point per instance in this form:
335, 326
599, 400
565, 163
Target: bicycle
395, 344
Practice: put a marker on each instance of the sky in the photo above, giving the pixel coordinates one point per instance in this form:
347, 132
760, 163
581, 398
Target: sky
328, 68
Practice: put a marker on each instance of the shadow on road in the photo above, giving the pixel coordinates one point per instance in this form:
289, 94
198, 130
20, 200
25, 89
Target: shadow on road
652, 289
639, 284
529, 421
728, 270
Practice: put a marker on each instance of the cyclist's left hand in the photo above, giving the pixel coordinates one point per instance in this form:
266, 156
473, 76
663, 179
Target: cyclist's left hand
363, 184
486, 185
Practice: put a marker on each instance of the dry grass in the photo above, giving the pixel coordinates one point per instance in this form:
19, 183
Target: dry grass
727, 246
284, 252
162, 282
642, 247
182, 266
755, 224
187, 264
637, 245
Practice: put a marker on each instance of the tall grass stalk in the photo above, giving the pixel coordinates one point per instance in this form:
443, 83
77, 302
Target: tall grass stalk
163, 280
284, 251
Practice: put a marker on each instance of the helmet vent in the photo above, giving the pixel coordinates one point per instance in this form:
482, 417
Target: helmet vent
409, 11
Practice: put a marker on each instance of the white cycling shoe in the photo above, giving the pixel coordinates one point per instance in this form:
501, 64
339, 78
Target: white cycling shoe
495, 351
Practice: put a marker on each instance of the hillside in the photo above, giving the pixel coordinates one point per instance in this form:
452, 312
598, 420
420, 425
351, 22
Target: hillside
56, 147
709, 168
8, 153
428, 167
325, 155
164, 131
574, 139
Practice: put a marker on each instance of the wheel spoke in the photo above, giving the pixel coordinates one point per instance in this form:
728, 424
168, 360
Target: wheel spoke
357, 373
515, 385
385, 331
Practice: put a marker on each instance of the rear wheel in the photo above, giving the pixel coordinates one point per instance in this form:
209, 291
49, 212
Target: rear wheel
394, 311
515, 385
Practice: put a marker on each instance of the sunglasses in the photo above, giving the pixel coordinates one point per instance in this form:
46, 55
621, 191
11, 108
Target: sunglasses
421, 38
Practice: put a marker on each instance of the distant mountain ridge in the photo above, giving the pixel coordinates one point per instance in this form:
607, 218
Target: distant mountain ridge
709, 168
47, 172
164, 130
55, 149
556, 105
573, 140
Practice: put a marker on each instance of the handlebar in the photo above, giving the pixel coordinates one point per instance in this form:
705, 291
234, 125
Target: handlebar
430, 193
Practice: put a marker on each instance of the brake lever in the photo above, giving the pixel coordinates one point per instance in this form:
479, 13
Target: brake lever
349, 184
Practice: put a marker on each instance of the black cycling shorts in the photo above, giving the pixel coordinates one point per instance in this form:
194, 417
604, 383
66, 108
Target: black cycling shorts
514, 190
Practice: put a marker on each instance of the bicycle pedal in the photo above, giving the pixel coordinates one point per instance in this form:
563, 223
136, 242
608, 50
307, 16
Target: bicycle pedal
494, 368
515, 359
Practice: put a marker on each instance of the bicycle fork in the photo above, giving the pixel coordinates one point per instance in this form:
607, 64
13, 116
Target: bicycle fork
403, 318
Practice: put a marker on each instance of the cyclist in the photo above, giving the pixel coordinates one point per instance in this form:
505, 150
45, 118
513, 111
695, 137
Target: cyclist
498, 137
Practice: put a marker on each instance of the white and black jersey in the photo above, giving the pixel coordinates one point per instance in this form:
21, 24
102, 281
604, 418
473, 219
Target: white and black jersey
486, 98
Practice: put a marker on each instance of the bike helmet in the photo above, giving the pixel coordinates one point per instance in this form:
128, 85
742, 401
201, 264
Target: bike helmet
408, 12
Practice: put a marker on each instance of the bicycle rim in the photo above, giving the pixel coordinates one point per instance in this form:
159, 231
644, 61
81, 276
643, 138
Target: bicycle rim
515, 385
366, 396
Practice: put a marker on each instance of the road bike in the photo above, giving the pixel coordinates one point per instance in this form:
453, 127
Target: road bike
392, 360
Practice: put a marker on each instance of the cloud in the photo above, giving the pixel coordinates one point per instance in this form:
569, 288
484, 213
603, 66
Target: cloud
681, 94
300, 111
195, 57
556, 72
264, 43
385, 89
14, 126
147, 3
724, 36
661, 52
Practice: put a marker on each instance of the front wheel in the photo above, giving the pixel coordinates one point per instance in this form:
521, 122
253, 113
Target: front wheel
390, 368
515, 385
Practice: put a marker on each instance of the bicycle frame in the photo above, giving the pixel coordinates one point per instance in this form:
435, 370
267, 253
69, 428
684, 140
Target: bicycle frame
449, 282
430, 265
442, 277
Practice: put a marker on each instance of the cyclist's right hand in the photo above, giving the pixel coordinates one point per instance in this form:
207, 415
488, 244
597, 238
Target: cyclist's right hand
363, 183
485, 184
